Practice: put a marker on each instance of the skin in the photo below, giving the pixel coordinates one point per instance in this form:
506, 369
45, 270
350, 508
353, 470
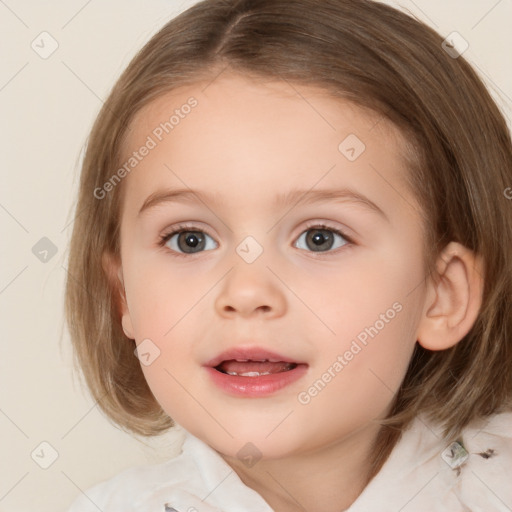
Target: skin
244, 143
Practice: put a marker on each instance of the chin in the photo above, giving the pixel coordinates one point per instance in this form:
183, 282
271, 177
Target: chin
253, 442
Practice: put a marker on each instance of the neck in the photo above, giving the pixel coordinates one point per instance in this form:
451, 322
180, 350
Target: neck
328, 479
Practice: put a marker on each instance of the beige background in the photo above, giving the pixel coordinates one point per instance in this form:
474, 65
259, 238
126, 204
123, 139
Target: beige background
47, 109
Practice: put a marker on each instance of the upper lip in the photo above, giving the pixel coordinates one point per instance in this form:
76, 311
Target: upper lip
249, 354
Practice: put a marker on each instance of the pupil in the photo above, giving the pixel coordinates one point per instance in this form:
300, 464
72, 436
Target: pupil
192, 240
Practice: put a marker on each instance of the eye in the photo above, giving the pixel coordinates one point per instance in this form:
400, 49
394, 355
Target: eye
322, 238
187, 240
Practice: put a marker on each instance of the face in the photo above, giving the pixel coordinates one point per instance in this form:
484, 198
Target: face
278, 303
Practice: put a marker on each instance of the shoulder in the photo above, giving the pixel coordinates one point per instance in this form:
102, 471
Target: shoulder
123, 491
119, 492
184, 483
485, 459
426, 472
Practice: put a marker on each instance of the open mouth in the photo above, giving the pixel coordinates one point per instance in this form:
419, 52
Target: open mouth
253, 372
251, 368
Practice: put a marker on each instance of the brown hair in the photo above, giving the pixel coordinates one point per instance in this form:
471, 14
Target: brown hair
378, 58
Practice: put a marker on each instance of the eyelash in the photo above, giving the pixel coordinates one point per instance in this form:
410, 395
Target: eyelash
164, 238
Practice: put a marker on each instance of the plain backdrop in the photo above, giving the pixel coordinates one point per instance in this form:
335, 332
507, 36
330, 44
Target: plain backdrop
48, 104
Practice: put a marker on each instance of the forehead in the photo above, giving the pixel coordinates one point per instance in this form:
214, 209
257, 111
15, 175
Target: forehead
262, 103
256, 135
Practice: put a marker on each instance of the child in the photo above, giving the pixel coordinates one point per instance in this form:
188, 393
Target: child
294, 243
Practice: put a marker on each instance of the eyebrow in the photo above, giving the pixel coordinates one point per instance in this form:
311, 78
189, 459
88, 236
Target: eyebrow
294, 197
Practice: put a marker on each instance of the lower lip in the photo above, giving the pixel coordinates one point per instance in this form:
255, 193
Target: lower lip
261, 386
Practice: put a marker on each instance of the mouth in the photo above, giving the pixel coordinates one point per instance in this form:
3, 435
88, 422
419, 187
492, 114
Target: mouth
249, 368
244, 355
253, 372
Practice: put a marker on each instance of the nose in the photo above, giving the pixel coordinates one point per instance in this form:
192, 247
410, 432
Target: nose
250, 290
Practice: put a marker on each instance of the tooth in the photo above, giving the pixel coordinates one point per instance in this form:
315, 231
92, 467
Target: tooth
248, 374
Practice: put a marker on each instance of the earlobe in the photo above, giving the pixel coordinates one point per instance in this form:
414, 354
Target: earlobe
454, 298
114, 272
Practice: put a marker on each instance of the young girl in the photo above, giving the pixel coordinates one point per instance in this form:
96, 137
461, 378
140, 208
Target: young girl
292, 240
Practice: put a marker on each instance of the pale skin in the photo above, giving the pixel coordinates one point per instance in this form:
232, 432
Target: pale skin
242, 145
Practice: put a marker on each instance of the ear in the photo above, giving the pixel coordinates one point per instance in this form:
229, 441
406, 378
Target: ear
114, 271
454, 298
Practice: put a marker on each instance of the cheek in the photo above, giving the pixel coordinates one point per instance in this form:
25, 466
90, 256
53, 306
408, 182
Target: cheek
165, 305
365, 290
160, 294
357, 383
386, 346
374, 311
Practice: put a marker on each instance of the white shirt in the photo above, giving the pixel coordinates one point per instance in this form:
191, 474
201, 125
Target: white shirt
417, 477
